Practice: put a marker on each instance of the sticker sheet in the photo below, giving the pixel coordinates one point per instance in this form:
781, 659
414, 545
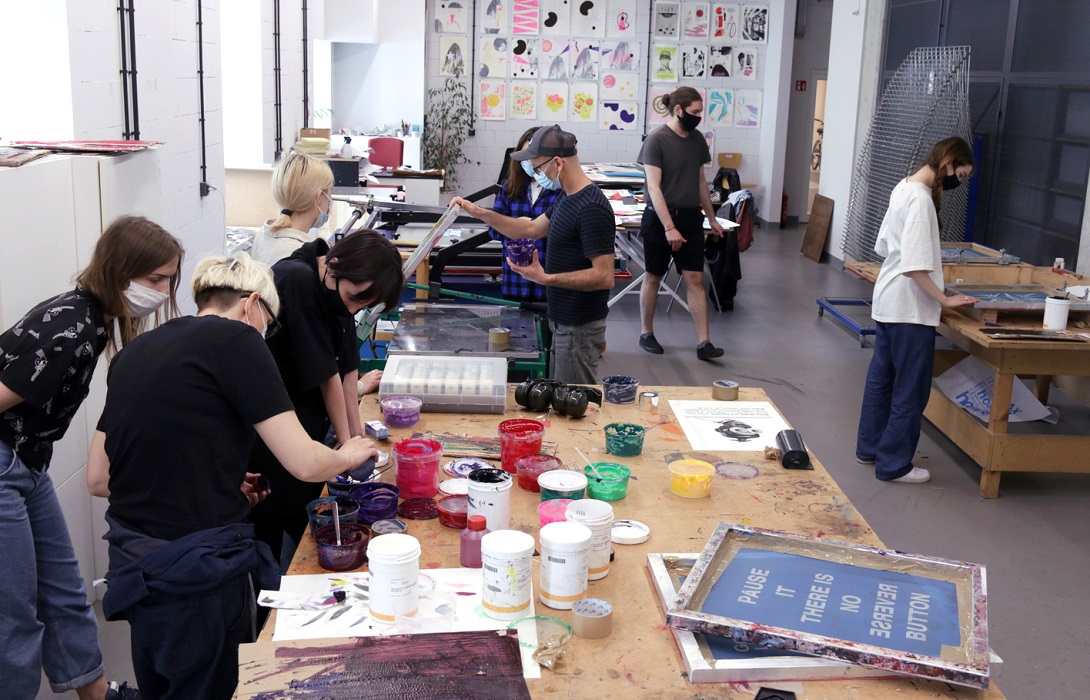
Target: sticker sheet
666, 20
747, 108
524, 57
621, 18
451, 16
618, 116
554, 102
719, 108
588, 18
694, 20
494, 16
494, 51
452, 50
694, 61
619, 85
724, 22
720, 61
755, 24
555, 16
584, 102
585, 58
523, 100
664, 63
745, 63
620, 55
555, 59
493, 101
524, 17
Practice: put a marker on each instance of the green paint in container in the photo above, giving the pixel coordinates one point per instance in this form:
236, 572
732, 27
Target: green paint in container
610, 483
624, 439
561, 483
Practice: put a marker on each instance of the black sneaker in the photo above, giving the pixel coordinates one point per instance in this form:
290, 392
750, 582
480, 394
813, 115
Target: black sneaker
705, 351
121, 691
648, 343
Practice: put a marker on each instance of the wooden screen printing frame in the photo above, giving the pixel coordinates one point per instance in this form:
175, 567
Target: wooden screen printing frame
968, 578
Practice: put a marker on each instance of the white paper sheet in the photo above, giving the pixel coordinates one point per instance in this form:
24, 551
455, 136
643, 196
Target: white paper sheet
733, 426
969, 384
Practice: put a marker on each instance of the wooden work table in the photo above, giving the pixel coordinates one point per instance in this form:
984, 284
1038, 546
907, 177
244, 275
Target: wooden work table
640, 659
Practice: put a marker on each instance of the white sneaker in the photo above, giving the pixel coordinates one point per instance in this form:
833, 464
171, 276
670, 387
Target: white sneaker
918, 475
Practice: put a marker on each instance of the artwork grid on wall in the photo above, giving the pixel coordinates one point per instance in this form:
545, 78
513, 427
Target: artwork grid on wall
584, 102
724, 22
620, 85
720, 61
620, 55
555, 16
494, 16
524, 100
666, 20
451, 16
664, 62
588, 18
555, 60
747, 108
656, 113
585, 58
621, 18
754, 24
494, 55
453, 54
618, 116
524, 17
694, 20
492, 101
694, 61
719, 108
553, 102
524, 57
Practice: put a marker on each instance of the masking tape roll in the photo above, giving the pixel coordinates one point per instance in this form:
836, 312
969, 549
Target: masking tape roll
724, 390
592, 618
499, 338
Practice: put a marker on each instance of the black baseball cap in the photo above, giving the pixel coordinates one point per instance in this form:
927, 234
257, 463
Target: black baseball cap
549, 141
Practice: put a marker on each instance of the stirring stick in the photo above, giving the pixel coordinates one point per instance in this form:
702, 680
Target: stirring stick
592, 467
337, 521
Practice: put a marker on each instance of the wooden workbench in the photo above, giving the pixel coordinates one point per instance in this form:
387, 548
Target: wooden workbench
640, 659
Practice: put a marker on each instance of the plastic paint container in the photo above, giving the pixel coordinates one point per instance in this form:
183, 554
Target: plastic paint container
553, 511
561, 483
530, 467
519, 437
519, 250
388, 527
508, 574
565, 557
624, 439
611, 483
418, 509
691, 478
377, 501
395, 568
417, 465
490, 496
454, 487
1056, 311
401, 411
620, 388
598, 516
320, 511
350, 554
453, 511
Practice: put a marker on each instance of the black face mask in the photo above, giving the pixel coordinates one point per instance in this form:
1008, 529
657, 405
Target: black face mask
689, 121
333, 298
950, 182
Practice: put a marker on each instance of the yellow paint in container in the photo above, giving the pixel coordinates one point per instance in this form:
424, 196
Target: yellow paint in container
691, 478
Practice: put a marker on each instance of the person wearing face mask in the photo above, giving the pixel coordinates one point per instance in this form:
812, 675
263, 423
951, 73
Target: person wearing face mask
47, 360
578, 266
673, 157
907, 303
302, 187
184, 562
321, 288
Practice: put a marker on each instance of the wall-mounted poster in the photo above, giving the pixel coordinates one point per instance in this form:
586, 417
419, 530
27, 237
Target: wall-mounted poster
620, 55
755, 24
720, 108
553, 62
584, 102
555, 17
724, 22
709, 138
694, 20
664, 63
524, 100
524, 15
703, 103
588, 18
621, 18
450, 17
747, 108
494, 16
453, 54
666, 21
492, 101
584, 61
493, 57
618, 116
745, 63
694, 61
656, 113
619, 86
553, 102
524, 57
720, 61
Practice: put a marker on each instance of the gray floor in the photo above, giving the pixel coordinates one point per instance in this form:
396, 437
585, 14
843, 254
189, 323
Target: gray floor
1034, 539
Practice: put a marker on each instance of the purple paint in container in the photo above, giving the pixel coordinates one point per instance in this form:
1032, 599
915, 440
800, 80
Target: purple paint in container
320, 511
520, 250
377, 501
401, 411
350, 554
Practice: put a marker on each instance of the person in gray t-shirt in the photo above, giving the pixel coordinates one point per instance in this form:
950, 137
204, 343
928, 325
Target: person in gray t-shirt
673, 157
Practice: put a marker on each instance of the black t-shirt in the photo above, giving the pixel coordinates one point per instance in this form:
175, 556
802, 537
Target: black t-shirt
681, 159
581, 226
179, 416
48, 358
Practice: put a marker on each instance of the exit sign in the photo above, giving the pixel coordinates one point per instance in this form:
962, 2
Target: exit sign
800, 86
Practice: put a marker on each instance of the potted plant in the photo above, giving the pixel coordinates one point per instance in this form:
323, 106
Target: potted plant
447, 124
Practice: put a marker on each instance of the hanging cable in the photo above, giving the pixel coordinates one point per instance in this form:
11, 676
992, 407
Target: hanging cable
132, 73
206, 189
277, 116
306, 94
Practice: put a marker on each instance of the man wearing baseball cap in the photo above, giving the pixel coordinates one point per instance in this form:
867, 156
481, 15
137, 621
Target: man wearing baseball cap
578, 265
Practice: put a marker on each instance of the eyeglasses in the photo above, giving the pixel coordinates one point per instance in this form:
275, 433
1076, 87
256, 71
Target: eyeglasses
539, 169
274, 325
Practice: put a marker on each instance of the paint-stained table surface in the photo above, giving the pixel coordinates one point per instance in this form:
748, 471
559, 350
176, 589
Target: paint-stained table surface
640, 659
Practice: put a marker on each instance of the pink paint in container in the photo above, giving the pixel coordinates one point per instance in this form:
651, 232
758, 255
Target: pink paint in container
519, 437
530, 467
417, 467
553, 511
401, 411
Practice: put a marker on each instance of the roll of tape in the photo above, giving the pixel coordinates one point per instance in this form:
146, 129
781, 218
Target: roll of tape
592, 618
724, 390
499, 338
649, 401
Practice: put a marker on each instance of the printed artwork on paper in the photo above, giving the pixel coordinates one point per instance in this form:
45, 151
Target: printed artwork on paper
694, 61
452, 50
666, 20
494, 15
524, 15
755, 24
584, 60
620, 55
694, 20
523, 100
724, 22
524, 57
720, 60
618, 116
747, 108
733, 426
584, 102
554, 59
588, 18
555, 17
621, 18
494, 52
720, 108
492, 101
709, 138
619, 85
554, 102
703, 103
745, 63
656, 113
664, 63
450, 16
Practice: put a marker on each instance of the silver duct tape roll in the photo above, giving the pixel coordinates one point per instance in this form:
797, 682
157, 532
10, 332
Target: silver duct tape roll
649, 401
499, 338
724, 390
592, 618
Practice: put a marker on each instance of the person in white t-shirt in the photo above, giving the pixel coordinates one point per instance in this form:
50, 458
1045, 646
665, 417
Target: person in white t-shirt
908, 300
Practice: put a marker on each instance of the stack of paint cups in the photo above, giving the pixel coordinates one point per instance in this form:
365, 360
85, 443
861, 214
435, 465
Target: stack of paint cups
565, 559
598, 516
507, 570
490, 495
394, 563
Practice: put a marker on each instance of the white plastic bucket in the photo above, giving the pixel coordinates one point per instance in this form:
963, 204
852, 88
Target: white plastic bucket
507, 573
394, 563
565, 556
490, 495
598, 516
1056, 310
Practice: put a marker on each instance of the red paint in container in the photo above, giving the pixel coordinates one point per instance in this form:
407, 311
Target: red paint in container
350, 554
417, 463
530, 467
519, 437
454, 511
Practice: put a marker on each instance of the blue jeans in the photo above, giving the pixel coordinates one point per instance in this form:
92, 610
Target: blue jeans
576, 351
46, 620
897, 390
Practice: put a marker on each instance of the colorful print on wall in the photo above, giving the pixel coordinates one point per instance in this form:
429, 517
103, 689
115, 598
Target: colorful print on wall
618, 116
494, 16
524, 101
554, 102
588, 18
554, 59
452, 49
555, 16
720, 61
493, 57
584, 102
745, 63
694, 20
584, 60
724, 22
524, 17
621, 18
656, 113
709, 138
694, 61
747, 108
524, 57
666, 20
755, 24
720, 108
450, 17
492, 101
620, 55
664, 63
619, 86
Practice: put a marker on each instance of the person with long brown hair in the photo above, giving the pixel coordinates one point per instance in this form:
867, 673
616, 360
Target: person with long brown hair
907, 304
47, 360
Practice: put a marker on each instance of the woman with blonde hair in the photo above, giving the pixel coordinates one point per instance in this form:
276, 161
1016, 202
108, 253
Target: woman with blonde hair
47, 360
302, 186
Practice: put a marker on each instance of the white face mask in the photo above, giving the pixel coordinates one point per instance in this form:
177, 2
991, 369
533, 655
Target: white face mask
143, 301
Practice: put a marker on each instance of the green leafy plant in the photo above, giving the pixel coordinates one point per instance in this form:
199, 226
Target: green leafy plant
447, 124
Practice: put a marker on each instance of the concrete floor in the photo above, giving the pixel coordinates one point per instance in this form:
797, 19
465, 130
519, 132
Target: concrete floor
1034, 539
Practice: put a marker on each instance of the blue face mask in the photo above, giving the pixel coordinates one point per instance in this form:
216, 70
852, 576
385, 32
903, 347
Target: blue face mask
544, 181
527, 168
